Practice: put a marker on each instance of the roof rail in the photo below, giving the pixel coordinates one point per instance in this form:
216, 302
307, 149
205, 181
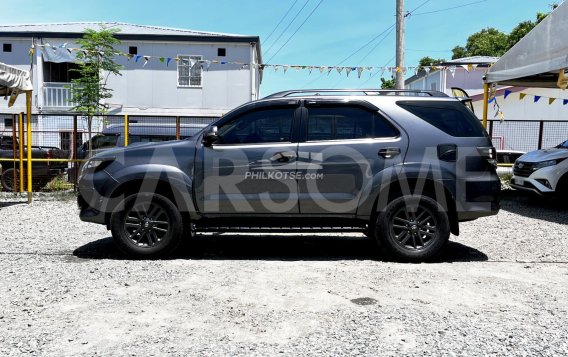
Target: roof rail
317, 92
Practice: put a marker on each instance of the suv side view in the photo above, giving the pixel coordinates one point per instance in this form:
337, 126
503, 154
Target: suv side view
403, 167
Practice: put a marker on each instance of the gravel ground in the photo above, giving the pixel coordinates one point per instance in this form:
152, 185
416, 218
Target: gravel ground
500, 288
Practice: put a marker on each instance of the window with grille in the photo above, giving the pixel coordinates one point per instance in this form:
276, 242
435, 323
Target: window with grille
189, 71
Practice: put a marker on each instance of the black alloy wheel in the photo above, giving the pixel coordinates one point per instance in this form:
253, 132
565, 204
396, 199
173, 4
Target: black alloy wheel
147, 226
412, 228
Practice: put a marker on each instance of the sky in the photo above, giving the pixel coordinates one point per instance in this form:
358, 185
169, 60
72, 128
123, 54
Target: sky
327, 32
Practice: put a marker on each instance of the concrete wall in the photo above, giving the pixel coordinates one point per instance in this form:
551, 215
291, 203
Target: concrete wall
153, 88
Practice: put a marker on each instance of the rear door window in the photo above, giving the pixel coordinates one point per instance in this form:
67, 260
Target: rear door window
344, 122
453, 118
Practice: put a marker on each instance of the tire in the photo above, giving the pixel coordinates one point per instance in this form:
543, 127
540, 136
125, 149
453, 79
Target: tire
146, 225
412, 229
8, 179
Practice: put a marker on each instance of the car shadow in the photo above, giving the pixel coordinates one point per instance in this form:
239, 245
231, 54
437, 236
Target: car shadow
533, 206
281, 248
11, 203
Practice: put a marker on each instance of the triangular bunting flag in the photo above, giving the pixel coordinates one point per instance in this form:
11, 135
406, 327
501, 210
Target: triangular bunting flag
564, 101
146, 60
506, 93
536, 98
339, 69
137, 58
348, 70
286, 68
168, 60
310, 69
162, 59
522, 96
359, 71
465, 66
551, 100
562, 82
452, 70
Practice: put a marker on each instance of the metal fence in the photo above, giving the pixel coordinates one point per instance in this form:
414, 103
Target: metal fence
527, 135
61, 141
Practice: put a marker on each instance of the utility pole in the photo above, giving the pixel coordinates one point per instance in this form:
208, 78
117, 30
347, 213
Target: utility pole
399, 79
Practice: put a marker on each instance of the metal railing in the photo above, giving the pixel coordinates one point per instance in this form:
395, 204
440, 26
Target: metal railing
63, 139
57, 95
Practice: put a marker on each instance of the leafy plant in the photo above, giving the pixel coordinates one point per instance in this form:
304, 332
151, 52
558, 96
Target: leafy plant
96, 64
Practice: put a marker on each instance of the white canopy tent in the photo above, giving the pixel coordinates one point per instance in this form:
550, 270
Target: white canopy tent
539, 59
12, 82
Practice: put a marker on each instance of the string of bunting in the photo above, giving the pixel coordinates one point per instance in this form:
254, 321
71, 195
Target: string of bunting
206, 63
536, 98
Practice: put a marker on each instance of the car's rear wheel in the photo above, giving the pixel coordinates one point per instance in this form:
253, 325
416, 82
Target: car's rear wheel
147, 225
412, 228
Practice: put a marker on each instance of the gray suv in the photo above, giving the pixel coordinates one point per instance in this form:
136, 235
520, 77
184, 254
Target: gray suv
403, 167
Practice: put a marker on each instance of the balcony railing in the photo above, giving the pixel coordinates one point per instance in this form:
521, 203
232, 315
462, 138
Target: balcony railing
57, 95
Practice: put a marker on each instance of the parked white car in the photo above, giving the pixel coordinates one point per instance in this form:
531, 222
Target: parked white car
544, 172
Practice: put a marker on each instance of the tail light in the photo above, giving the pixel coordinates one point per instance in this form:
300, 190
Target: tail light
489, 153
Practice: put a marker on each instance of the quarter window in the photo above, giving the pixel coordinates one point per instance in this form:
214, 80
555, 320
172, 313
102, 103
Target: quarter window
340, 123
261, 126
189, 71
452, 118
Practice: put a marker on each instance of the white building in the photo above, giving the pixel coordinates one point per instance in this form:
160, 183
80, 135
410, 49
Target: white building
168, 72
156, 87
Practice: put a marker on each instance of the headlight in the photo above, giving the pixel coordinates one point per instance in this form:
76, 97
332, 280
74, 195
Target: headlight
547, 163
95, 164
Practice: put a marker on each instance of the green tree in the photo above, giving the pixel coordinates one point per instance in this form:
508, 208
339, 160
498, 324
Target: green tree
387, 83
96, 64
519, 32
429, 61
487, 42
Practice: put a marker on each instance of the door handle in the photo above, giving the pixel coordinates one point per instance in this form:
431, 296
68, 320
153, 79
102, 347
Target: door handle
284, 156
388, 153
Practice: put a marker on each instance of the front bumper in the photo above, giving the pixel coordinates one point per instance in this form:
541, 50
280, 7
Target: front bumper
528, 184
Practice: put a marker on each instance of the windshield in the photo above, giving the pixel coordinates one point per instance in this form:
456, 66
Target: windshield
564, 145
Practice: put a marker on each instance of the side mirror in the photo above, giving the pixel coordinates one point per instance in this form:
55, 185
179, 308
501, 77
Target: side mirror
210, 136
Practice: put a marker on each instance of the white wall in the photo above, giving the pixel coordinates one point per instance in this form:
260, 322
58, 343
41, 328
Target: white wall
153, 89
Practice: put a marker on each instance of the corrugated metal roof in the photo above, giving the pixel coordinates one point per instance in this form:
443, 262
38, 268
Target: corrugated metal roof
125, 29
472, 60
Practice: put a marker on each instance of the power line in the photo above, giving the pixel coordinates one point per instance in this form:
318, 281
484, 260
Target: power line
298, 29
365, 45
449, 8
376, 45
282, 19
287, 27
417, 50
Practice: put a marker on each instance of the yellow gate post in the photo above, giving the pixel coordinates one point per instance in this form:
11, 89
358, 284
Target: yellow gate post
126, 130
21, 148
485, 103
29, 142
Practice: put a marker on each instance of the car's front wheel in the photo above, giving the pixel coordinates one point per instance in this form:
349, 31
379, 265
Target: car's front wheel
146, 225
412, 228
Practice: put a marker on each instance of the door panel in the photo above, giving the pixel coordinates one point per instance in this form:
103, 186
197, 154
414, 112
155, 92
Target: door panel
252, 167
345, 146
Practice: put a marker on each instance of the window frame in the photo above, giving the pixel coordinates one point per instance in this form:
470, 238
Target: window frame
189, 85
294, 123
365, 106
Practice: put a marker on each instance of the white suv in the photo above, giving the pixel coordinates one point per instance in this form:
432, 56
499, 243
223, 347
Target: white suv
544, 172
